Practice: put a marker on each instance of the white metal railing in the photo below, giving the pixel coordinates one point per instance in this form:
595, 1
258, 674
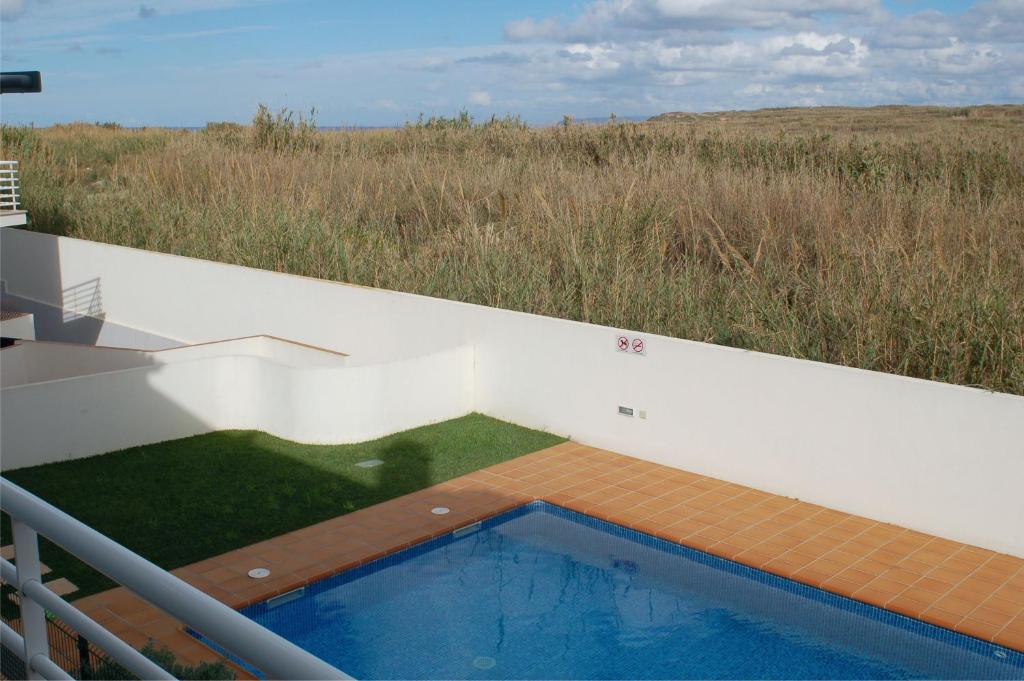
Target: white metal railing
265, 650
9, 185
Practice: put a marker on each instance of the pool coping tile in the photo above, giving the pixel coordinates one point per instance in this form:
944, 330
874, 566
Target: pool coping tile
968, 589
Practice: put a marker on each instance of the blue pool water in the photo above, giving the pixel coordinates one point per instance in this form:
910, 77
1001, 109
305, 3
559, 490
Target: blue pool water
543, 592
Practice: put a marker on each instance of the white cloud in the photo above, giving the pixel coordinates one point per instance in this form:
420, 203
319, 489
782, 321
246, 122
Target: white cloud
692, 20
528, 29
705, 54
480, 98
186, 35
633, 57
46, 19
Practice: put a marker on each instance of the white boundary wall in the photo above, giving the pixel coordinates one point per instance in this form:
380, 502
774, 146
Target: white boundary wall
938, 458
37, 361
85, 415
34, 362
19, 327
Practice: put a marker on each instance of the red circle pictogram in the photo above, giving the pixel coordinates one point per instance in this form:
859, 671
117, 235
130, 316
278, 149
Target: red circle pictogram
638, 345
623, 343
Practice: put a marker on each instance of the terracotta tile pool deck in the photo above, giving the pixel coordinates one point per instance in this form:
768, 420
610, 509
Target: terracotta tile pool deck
965, 588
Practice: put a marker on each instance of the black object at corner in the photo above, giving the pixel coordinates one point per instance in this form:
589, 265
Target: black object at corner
14, 82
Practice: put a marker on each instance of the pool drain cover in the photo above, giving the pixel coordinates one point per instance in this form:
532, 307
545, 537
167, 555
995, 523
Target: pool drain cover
259, 573
440, 510
484, 662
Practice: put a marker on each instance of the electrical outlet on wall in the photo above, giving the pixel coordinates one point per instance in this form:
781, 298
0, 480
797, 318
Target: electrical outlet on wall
642, 414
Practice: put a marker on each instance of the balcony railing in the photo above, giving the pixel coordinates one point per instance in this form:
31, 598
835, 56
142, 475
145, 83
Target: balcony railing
9, 185
10, 214
276, 657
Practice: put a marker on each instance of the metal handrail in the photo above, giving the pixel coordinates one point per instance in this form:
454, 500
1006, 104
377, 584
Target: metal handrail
275, 656
130, 658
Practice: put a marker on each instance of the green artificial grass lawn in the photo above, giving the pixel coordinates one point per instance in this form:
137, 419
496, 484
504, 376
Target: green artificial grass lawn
184, 500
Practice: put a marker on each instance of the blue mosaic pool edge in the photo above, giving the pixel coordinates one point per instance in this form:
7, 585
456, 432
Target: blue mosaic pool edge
847, 604
844, 603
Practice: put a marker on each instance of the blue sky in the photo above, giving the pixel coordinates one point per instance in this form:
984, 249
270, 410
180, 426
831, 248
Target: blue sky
186, 62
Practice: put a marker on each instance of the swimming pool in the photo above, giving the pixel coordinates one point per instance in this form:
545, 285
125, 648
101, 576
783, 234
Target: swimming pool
544, 592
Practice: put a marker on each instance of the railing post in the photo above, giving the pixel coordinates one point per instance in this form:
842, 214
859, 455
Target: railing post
275, 656
33, 616
84, 668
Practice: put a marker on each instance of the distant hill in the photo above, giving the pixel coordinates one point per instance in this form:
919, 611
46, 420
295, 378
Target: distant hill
599, 120
893, 118
983, 110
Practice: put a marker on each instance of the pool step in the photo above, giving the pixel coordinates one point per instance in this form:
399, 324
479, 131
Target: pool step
286, 597
466, 529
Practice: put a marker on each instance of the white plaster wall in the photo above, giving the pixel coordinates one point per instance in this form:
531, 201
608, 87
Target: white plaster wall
55, 324
277, 350
203, 302
76, 417
362, 403
34, 362
86, 415
38, 361
937, 458
19, 327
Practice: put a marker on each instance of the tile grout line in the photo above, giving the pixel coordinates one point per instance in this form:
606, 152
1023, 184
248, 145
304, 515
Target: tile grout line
741, 490
1020, 611
788, 528
901, 533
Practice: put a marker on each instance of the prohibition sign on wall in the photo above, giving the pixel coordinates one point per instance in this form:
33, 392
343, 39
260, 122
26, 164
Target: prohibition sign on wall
632, 345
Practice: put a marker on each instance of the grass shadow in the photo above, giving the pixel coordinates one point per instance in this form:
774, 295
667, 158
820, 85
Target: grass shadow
181, 501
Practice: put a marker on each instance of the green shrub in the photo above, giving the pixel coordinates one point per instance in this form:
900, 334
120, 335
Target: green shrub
17, 141
221, 127
226, 132
463, 121
284, 131
163, 657
506, 122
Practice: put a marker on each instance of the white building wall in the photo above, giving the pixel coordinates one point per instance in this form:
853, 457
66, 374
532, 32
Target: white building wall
23, 326
941, 459
86, 415
193, 297
38, 361
76, 417
933, 457
34, 362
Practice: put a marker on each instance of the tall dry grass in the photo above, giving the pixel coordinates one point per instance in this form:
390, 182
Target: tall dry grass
884, 239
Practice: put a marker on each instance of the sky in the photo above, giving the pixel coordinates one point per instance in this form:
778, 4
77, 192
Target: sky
383, 62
